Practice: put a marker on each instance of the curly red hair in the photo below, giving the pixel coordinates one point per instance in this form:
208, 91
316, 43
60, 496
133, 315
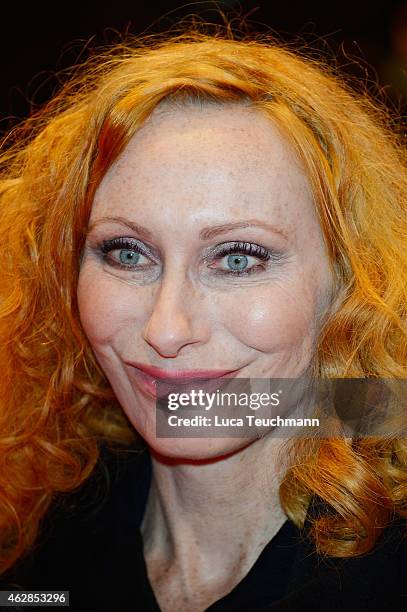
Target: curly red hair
56, 405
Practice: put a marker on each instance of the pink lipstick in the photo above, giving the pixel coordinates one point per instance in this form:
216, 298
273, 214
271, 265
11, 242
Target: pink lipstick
147, 376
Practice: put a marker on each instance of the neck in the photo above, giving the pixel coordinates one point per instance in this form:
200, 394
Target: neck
214, 514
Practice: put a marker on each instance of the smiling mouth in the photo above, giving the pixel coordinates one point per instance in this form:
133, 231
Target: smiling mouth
158, 383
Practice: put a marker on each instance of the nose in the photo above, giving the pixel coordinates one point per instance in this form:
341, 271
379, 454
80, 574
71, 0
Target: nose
176, 319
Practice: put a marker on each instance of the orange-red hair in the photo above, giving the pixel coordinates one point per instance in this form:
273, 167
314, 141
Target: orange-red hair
55, 402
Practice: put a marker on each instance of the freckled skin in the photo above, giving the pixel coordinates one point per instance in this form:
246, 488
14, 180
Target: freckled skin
186, 169
183, 170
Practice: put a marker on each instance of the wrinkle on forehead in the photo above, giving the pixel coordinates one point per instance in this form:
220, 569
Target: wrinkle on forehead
199, 166
213, 126
216, 148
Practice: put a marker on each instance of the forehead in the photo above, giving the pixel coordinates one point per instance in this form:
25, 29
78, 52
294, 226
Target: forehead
211, 161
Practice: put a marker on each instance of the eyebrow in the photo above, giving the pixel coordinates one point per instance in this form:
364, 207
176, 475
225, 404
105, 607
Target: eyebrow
210, 232
138, 229
206, 233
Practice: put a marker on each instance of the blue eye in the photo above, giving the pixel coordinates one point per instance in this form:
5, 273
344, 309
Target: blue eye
125, 253
242, 258
232, 259
127, 256
238, 262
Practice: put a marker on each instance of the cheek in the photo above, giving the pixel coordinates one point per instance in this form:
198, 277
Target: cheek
106, 308
94, 303
270, 319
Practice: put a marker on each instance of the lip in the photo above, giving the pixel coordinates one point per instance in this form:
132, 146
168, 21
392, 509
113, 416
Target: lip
147, 376
179, 374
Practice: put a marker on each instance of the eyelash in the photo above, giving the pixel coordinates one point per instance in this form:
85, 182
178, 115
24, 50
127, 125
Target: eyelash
116, 244
246, 248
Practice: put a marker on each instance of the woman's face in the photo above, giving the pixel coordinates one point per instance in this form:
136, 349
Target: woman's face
203, 252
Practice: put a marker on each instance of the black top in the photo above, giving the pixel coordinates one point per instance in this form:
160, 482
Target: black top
91, 546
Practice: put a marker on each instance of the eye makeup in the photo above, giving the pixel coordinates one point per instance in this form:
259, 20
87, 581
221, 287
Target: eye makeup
247, 249
244, 251
106, 247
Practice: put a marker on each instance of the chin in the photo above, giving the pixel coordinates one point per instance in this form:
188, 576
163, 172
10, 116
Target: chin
200, 450
181, 448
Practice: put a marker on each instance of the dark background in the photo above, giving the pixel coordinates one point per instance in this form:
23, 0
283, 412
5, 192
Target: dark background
367, 38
